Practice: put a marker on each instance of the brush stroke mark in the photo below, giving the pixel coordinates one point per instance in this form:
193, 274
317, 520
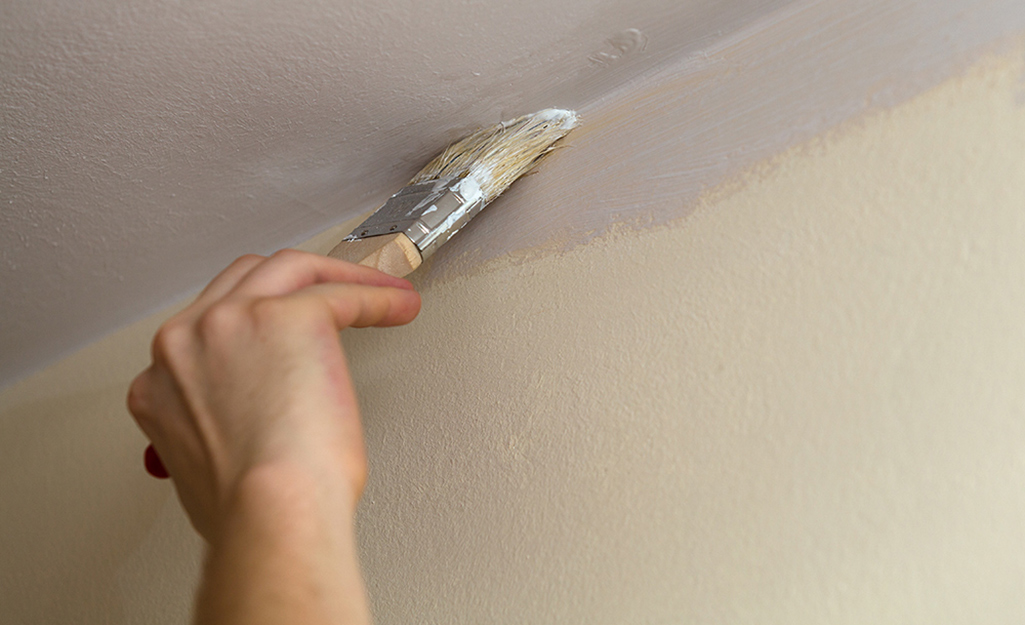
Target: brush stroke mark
627, 42
645, 154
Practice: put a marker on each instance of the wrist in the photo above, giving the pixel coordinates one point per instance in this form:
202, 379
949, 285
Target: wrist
286, 546
290, 495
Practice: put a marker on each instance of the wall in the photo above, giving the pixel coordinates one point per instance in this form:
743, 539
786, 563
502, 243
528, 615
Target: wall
682, 373
803, 402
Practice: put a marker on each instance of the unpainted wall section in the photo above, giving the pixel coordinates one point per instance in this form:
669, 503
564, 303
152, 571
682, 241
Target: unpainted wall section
805, 403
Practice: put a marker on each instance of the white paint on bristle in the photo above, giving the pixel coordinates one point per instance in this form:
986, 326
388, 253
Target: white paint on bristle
498, 155
470, 187
568, 119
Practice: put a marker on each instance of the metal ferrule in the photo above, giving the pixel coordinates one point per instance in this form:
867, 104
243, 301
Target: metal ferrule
428, 213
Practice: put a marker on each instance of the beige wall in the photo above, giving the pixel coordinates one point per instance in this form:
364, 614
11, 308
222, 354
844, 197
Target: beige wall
805, 402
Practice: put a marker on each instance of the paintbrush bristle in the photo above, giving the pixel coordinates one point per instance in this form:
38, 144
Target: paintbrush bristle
495, 157
455, 187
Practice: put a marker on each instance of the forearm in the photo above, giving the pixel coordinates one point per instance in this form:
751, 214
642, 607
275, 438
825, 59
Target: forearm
286, 554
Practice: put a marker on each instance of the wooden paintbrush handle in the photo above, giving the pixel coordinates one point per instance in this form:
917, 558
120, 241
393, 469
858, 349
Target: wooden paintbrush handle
394, 254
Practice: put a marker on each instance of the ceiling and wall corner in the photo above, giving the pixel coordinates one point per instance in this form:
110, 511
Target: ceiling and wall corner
805, 403
146, 144
782, 381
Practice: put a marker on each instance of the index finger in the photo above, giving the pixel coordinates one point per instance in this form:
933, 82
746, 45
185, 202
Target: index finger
288, 271
361, 306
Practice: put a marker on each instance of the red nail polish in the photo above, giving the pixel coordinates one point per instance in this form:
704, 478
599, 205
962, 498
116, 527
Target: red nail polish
154, 465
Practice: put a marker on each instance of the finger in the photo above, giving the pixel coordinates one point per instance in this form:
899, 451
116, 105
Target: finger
142, 407
140, 396
360, 306
220, 286
156, 403
288, 271
227, 279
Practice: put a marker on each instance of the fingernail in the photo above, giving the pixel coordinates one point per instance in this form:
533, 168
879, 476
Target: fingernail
154, 465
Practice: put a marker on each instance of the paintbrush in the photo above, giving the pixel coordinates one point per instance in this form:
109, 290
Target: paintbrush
450, 191
441, 198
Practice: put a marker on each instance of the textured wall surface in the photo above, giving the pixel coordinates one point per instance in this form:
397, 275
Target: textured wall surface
802, 403
805, 403
145, 144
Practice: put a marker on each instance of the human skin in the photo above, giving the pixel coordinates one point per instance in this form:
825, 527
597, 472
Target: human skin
249, 404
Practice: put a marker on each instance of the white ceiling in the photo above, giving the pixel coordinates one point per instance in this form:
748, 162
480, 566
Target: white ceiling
146, 144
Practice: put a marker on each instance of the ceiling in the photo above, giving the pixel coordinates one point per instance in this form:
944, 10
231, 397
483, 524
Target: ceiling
146, 144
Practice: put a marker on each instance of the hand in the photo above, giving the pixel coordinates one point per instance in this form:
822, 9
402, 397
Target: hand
252, 375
